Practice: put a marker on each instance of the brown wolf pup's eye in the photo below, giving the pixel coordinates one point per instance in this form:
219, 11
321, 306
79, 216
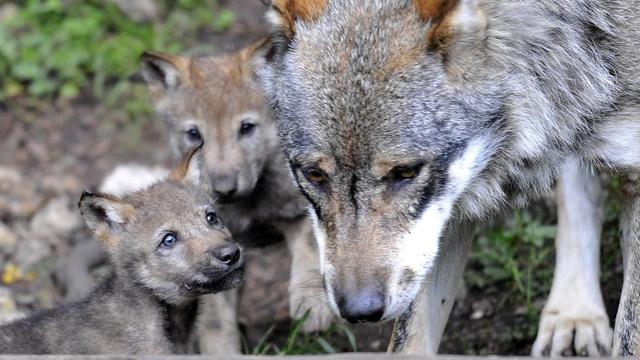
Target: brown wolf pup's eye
314, 175
194, 134
247, 128
212, 219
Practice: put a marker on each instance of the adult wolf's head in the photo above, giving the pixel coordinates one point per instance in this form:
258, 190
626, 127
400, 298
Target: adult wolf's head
384, 123
214, 99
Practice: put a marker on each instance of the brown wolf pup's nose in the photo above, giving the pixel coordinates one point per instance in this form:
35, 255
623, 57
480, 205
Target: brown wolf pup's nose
225, 187
365, 306
227, 254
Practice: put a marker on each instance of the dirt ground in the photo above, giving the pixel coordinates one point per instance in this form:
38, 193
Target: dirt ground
49, 152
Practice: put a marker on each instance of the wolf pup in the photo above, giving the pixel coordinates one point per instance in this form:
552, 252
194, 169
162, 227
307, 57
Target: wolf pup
216, 99
403, 121
167, 246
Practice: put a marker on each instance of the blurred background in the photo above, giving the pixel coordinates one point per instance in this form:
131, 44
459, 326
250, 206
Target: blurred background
69, 114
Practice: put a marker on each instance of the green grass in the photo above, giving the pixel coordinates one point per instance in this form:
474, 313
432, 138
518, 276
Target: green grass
513, 263
60, 49
298, 343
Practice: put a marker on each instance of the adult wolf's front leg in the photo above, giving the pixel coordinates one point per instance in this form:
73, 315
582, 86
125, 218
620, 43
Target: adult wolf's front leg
305, 284
574, 319
420, 329
627, 332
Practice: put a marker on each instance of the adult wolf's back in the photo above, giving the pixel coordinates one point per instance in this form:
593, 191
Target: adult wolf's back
402, 120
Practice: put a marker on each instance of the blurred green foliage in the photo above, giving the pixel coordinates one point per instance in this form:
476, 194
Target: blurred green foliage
60, 49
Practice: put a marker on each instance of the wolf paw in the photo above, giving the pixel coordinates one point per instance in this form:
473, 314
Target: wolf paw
566, 334
303, 300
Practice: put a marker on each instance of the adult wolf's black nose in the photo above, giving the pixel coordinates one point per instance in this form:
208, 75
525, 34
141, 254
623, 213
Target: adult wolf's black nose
365, 306
227, 255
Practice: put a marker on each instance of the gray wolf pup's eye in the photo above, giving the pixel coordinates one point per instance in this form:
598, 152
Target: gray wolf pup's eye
169, 241
194, 134
212, 219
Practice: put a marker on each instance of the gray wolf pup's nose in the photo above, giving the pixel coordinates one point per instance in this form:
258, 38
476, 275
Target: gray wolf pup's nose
227, 254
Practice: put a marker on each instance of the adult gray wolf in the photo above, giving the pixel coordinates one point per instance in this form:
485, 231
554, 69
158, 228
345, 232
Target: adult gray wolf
404, 122
167, 247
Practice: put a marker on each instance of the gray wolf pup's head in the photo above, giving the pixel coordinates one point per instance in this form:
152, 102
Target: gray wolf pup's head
167, 238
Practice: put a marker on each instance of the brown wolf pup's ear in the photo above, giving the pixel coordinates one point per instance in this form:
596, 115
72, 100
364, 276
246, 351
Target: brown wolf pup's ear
284, 14
103, 214
256, 55
164, 71
191, 170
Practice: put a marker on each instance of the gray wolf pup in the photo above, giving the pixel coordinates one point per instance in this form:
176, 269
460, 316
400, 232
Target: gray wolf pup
404, 122
167, 247
216, 99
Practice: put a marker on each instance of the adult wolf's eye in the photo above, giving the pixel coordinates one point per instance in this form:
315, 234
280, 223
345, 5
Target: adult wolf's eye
212, 219
247, 128
402, 175
194, 134
168, 241
314, 175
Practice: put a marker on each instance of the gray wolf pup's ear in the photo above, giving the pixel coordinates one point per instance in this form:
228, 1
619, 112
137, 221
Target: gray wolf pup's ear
191, 169
104, 214
164, 71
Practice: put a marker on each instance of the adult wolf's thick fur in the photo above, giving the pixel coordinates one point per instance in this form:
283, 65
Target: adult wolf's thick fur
403, 119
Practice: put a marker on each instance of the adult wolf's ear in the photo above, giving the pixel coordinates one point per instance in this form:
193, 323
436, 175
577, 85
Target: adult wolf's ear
164, 71
284, 14
104, 214
191, 169
458, 28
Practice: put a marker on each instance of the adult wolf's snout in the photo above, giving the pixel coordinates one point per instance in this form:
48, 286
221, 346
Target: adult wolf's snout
361, 306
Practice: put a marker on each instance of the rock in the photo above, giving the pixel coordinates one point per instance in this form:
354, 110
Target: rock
31, 250
8, 11
61, 183
19, 197
482, 308
56, 219
8, 239
138, 10
128, 178
8, 309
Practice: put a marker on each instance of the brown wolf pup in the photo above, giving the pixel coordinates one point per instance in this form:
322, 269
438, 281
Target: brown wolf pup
215, 99
167, 247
